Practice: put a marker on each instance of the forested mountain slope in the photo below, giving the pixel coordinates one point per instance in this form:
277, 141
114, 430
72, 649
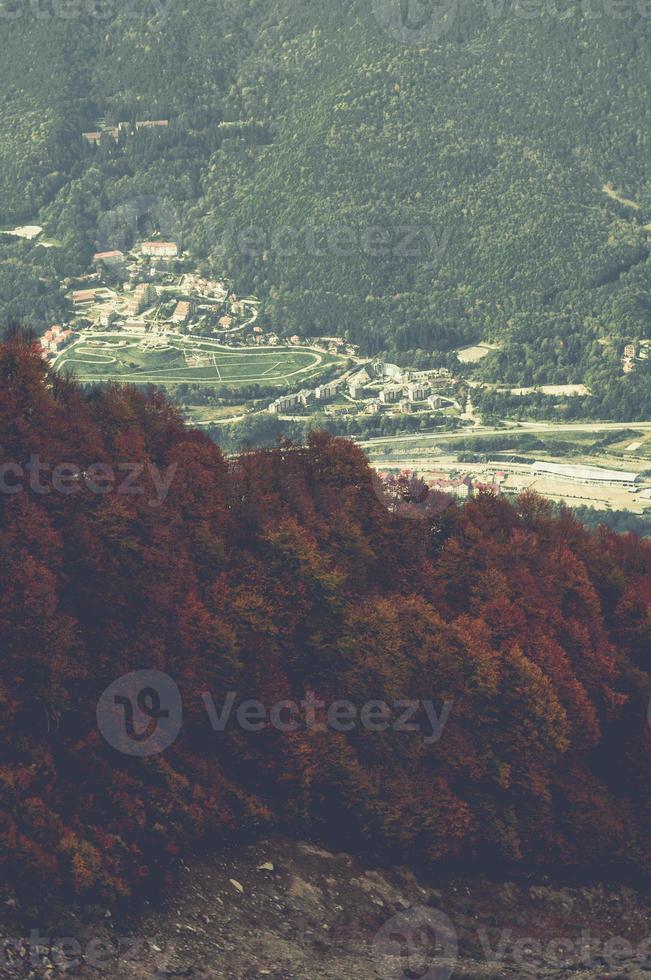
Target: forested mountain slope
415, 191
290, 575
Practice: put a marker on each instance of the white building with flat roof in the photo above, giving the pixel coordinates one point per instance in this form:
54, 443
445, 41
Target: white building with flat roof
355, 390
283, 403
160, 250
417, 392
584, 474
325, 392
392, 393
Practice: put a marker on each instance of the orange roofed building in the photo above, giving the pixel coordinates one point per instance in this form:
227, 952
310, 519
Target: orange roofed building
110, 258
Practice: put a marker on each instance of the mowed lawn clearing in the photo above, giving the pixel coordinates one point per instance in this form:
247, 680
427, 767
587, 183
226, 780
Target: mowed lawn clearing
189, 360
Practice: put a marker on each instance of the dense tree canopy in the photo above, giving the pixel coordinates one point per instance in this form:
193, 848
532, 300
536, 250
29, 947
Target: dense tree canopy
285, 572
414, 196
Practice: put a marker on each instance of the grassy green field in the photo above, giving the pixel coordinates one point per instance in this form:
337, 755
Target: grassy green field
189, 360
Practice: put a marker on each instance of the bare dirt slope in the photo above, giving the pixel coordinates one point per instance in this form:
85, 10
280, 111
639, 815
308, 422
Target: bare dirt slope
294, 911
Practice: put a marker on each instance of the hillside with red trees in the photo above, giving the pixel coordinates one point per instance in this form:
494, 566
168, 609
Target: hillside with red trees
280, 575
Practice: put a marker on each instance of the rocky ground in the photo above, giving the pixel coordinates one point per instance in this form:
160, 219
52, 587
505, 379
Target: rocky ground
294, 911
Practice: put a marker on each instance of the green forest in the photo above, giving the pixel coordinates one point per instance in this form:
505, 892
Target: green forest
484, 181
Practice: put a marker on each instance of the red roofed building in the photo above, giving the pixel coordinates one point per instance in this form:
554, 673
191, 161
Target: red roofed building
109, 258
84, 295
55, 339
182, 312
479, 487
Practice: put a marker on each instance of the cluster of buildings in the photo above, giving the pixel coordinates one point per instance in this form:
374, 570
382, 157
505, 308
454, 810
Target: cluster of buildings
406, 397
636, 351
150, 250
268, 339
337, 346
462, 487
94, 138
109, 306
301, 399
55, 339
408, 391
207, 288
286, 402
327, 345
391, 394
142, 296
